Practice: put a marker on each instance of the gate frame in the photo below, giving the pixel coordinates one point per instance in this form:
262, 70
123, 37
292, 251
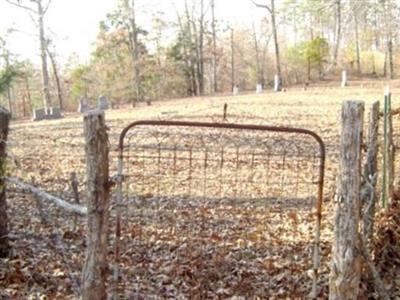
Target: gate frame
279, 129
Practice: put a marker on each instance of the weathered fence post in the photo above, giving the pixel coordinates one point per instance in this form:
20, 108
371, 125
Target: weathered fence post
94, 270
370, 173
4, 123
346, 264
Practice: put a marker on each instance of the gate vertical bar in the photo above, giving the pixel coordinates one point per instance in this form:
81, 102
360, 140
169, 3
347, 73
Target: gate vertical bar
120, 179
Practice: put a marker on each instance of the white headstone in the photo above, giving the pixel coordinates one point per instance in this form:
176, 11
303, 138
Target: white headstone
235, 90
55, 112
102, 103
344, 79
387, 91
259, 88
277, 84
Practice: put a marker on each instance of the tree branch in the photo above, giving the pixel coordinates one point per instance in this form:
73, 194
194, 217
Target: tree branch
47, 7
21, 6
261, 6
44, 196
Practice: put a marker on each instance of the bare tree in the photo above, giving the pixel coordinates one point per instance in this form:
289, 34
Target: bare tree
56, 77
261, 52
187, 54
134, 47
272, 11
387, 7
356, 7
232, 59
193, 53
214, 38
201, 48
338, 31
39, 11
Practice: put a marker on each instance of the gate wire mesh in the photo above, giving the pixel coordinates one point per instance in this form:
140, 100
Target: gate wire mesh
165, 165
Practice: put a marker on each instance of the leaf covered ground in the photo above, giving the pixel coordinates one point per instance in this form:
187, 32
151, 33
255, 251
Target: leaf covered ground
172, 248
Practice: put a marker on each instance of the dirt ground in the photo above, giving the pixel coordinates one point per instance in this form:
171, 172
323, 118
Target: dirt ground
176, 248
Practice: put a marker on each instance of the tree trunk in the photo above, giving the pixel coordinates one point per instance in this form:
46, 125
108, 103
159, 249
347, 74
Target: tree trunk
9, 100
214, 37
192, 51
134, 50
4, 122
95, 267
387, 15
390, 57
28, 92
43, 56
256, 48
358, 59
197, 56
346, 264
201, 48
276, 42
338, 32
57, 78
186, 56
232, 60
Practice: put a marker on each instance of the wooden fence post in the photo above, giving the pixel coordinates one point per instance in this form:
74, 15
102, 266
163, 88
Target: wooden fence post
346, 261
97, 172
4, 123
370, 173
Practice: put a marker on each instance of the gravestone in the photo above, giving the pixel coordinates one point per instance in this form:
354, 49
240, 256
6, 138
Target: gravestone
50, 113
54, 113
235, 90
38, 114
102, 103
83, 105
344, 79
277, 84
259, 89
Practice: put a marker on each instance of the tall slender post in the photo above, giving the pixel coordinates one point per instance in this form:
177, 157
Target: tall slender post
233, 79
346, 261
5, 117
97, 171
388, 152
390, 149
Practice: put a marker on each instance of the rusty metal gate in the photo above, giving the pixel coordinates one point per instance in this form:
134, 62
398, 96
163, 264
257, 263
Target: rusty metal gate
179, 160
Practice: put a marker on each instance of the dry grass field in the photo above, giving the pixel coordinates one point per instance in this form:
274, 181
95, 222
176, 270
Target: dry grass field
192, 249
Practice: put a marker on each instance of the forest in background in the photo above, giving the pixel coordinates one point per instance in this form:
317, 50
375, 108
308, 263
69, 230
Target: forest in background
302, 41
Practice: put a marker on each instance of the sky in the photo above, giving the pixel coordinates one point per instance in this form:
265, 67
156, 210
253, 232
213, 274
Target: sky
73, 24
